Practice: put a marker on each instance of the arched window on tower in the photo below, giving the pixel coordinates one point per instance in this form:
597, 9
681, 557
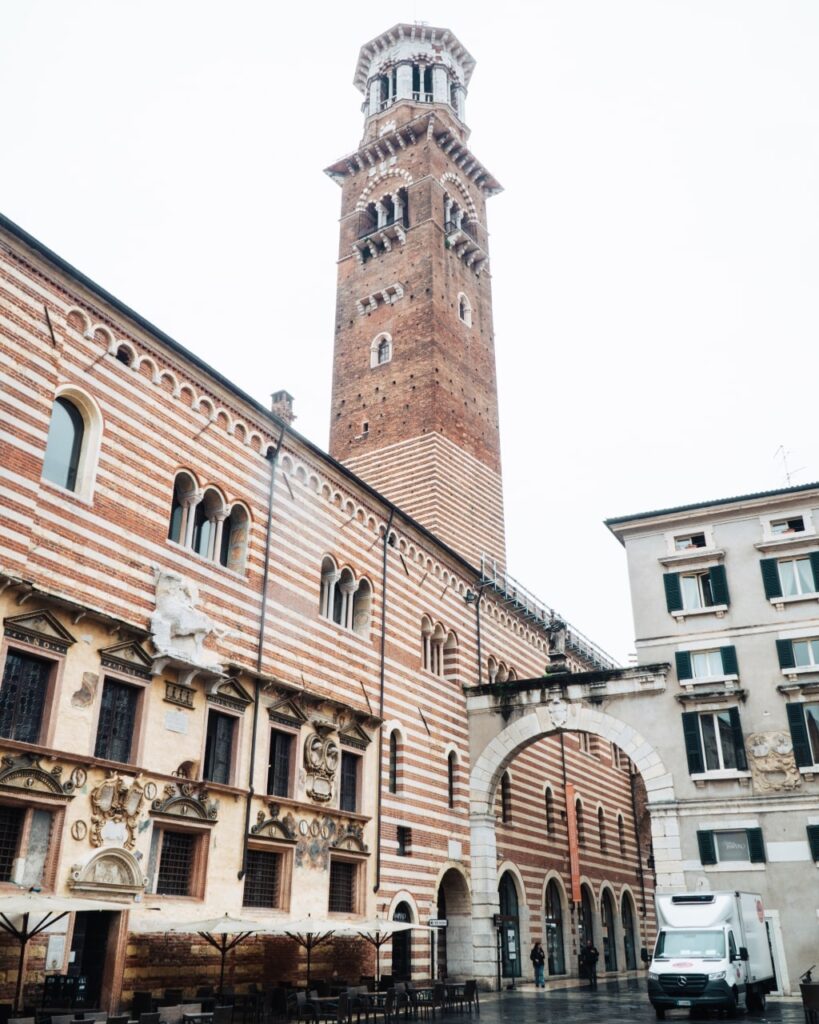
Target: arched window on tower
329, 585
464, 309
362, 605
233, 546
208, 522
380, 350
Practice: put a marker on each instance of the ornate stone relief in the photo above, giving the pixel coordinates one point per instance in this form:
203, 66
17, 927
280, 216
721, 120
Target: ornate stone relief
269, 825
229, 693
321, 757
115, 806
40, 629
111, 871
772, 763
128, 658
24, 772
317, 837
186, 800
179, 628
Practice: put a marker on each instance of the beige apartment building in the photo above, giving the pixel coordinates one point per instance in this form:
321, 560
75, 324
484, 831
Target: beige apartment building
727, 593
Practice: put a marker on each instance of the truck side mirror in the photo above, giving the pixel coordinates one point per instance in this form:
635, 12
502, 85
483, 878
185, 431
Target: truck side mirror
743, 953
644, 955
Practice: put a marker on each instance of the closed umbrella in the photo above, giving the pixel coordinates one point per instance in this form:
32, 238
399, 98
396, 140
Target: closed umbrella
35, 912
378, 932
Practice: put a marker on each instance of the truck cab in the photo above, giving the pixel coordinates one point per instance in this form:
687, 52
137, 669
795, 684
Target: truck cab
701, 956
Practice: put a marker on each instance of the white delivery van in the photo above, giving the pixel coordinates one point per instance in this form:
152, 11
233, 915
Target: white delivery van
711, 951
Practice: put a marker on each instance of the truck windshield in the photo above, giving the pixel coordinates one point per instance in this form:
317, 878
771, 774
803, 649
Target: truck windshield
703, 944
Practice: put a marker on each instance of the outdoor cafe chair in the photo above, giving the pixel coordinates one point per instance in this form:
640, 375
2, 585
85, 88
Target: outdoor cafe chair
301, 1009
222, 1015
62, 1018
149, 1018
142, 1002
123, 1019
173, 996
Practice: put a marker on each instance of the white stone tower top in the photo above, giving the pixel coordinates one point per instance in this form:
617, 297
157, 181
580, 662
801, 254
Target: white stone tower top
414, 62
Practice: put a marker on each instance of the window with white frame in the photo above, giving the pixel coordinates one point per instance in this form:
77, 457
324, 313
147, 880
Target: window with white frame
803, 720
796, 576
696, 590
381, 350
202, 520
345, 600
731, 845
806, 653
714, 741
781, 527
706, 663
464, 309
714, 663
73, 442
688, 541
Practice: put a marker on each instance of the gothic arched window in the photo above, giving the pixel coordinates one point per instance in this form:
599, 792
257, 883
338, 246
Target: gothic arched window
393, 767
73, 437
451, 764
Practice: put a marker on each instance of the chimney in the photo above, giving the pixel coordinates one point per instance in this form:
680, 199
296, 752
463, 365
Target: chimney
282, 405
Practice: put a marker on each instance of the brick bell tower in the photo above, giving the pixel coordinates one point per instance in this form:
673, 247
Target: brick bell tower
414, 403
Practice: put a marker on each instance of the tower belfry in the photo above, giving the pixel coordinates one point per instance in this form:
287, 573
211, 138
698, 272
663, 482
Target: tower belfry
414, 401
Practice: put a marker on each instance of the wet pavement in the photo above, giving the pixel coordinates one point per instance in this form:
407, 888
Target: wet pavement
613, 1003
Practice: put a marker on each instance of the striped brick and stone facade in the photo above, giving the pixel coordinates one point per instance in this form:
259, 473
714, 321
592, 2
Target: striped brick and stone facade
234, 670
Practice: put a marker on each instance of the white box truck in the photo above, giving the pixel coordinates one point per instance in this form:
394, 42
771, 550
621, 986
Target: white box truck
711, 951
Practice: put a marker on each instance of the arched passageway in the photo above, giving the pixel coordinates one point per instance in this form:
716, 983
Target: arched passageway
453, 945
402, 945
510, 926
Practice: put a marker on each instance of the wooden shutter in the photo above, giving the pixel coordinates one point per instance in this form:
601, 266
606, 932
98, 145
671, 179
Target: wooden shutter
683, 660
729, 660
784, 648
708, 848
770, 577
813, 841
673, 593
693, 746
814, 564
719, 584
739, 742
756, 847
799, 735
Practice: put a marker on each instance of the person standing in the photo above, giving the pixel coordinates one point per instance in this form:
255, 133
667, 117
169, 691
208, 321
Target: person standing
538, 958
589, 957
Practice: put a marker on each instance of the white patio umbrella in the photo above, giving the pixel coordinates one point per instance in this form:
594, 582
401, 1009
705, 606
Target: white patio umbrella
46, 910
308, 932
378, 932
214, 930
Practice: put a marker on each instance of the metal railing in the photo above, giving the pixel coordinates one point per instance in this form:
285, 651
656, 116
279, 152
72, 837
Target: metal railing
539, 612
367, 227
468, 228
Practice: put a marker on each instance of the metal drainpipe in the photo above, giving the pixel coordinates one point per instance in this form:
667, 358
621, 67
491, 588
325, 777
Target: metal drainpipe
273, 458
382, 657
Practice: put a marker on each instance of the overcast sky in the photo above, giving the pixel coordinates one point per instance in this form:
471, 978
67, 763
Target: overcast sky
654, 253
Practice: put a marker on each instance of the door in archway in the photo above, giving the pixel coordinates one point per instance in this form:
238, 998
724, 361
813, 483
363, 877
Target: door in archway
555, 955
627, 917
607, 922
453, 944
510, 927
402, 945
585, 924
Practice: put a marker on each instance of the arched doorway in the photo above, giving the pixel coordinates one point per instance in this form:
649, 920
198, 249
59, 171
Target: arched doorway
510, 927
629, 943
555, 952
607, 921
453, 944
402, 945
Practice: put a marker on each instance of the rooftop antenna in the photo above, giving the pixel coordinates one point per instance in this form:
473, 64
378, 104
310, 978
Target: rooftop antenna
782, 453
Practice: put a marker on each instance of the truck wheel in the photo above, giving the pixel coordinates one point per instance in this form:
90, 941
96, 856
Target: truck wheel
755, 1001
732, 1009
660, 1012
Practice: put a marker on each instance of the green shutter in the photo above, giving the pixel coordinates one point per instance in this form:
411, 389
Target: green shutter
770, 577
799, 735
739, 742
683, 659
673, 593
708, 848
814, 564
784, 648
693, 747
756, 847
813, 840
719, 584
729, 660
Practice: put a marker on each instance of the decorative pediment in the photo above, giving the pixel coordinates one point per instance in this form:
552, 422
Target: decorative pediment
110, 872
270, 826
353, 735
350, 836
287, 711
229, 693
24, 774
40, 629
186, 800
128, 658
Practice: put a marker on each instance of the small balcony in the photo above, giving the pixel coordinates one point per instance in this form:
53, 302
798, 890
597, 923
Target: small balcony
461, 238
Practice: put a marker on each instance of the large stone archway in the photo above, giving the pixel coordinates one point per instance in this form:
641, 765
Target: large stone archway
501, 728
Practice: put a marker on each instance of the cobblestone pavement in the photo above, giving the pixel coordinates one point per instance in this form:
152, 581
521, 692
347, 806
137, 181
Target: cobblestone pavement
613, 1003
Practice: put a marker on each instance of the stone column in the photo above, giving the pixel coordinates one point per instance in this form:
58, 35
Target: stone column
216, 536
460, 102
403, 82
347, 589
485, 902
440, 84
328, 586
189, 503
375, 95
382, 214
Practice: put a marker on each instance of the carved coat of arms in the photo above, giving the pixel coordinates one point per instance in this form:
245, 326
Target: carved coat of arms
115, 806
321, 757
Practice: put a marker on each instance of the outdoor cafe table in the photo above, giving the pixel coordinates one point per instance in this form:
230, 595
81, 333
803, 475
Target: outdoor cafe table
197, 1018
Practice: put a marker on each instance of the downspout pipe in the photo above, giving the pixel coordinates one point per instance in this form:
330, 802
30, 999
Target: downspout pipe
381, 667
273, 458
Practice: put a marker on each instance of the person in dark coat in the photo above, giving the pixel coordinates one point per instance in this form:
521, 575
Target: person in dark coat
538, 958
589, 956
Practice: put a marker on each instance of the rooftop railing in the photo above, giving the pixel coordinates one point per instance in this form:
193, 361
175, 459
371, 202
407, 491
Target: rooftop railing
522, 600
